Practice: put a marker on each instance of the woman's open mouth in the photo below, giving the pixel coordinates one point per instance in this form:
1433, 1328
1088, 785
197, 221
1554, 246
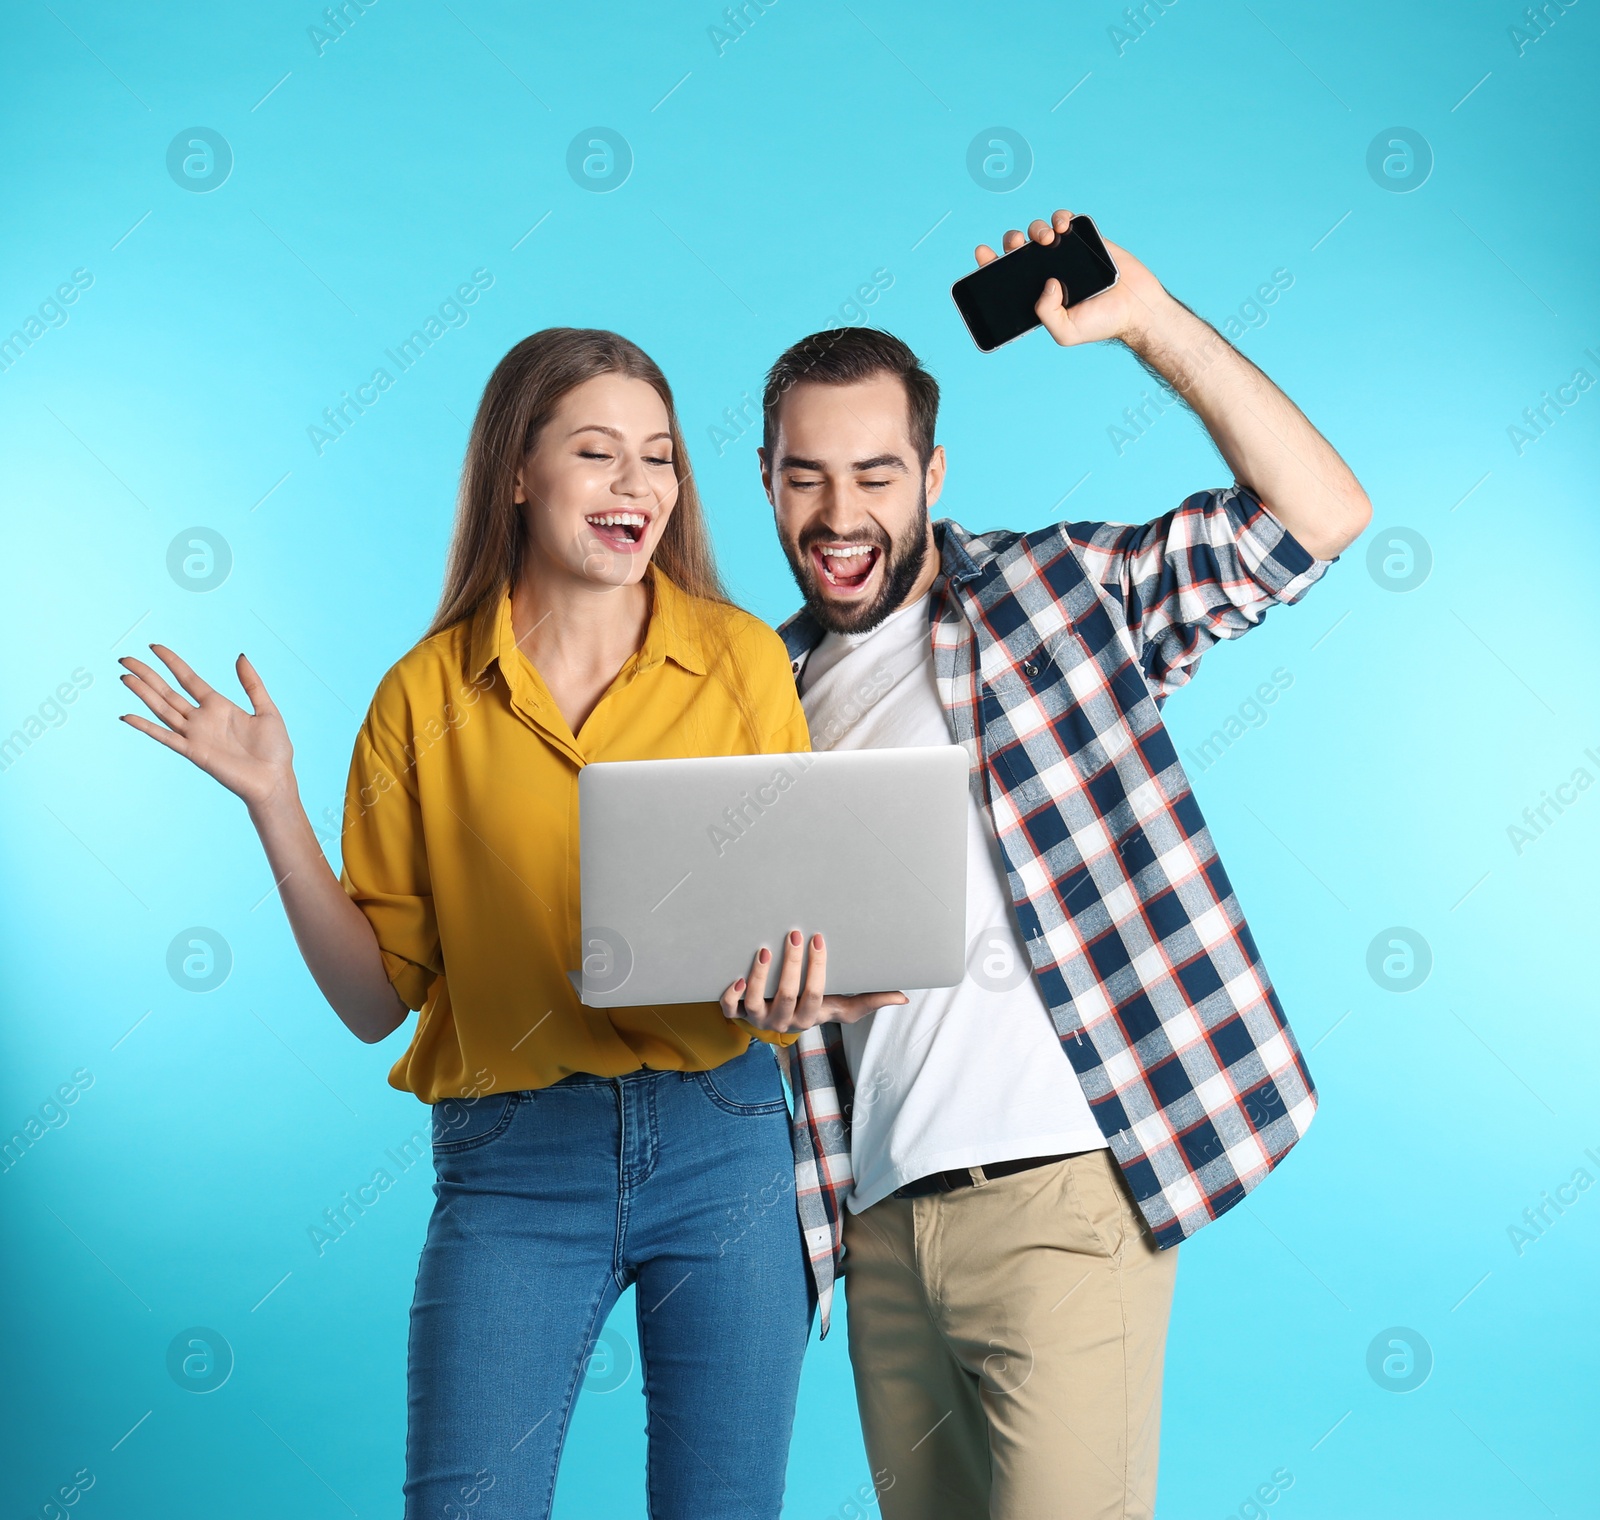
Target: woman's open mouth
622, 531
845, 567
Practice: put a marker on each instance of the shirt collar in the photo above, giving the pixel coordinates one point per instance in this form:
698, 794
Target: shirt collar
673, 632
955, 559
484, 639
676, 625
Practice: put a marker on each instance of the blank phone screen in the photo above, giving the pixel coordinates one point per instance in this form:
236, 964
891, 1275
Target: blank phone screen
997, 301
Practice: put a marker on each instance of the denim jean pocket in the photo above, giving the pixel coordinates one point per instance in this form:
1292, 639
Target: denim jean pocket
463, 1124
748, 1084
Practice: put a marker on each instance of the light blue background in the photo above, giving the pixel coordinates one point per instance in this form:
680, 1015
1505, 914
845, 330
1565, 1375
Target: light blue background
770, 179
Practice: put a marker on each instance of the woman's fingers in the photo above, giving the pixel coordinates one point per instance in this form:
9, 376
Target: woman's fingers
789, 974
848, 1010
800, 1001
1012, 241
186, 677
152, 678
984, 254
816, 980
163, 735
254, 687
755, 997
730, 1000
172, 710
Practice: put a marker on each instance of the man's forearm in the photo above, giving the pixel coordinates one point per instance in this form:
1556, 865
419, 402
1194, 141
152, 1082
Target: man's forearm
1264, 437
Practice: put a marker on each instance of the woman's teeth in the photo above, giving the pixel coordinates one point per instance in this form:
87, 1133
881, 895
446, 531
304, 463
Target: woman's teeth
633, 521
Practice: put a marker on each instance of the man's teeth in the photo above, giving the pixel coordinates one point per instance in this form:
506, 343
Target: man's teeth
617, 520
847, 564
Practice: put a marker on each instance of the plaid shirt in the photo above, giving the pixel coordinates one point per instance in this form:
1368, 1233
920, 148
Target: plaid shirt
1053, 652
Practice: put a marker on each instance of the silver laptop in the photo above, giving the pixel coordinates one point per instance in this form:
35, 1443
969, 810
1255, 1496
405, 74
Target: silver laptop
689, 866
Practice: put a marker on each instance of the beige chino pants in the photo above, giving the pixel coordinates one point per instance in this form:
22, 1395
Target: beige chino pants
1007, 1341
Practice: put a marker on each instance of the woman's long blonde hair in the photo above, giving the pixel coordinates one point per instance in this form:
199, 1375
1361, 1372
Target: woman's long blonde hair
488, 542
489, 538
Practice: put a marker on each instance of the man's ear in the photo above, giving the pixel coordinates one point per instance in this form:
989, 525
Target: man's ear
766, 473
933, 476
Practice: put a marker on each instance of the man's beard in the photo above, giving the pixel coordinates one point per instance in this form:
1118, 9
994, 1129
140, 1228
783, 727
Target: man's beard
902, 562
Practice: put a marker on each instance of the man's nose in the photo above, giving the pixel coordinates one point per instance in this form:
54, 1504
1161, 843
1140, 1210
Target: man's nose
839, 520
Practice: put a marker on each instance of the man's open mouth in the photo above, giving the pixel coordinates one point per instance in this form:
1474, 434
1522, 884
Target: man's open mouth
622, 531
845, 567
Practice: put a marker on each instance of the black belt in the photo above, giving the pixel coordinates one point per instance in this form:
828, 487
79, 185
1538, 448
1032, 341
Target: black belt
961, 1176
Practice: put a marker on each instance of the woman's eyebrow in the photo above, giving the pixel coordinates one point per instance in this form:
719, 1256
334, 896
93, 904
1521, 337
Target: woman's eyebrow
611, 432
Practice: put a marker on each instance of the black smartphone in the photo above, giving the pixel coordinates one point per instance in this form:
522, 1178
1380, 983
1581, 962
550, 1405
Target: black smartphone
996, 302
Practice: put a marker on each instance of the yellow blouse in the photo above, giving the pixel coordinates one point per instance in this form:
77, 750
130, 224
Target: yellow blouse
461, 838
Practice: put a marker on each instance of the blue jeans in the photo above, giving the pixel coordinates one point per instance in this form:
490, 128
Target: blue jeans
548, 1203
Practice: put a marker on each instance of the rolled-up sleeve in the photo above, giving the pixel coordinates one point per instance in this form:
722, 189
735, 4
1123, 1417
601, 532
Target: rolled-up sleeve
385, 869
1210, 569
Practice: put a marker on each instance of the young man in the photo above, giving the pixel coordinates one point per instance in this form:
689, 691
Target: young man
1006, 1167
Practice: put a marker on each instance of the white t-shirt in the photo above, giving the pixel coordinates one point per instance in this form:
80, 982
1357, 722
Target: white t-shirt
959, 1076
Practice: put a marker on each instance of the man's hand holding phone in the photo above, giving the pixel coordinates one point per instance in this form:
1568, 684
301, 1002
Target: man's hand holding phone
798, 1003
1127, 298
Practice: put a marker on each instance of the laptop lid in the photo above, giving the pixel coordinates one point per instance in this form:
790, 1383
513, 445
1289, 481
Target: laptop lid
687, 867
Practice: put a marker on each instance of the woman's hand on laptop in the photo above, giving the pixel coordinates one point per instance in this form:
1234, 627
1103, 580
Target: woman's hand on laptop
798, 1005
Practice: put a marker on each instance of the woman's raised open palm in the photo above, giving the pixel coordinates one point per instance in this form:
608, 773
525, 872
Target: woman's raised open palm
248, 752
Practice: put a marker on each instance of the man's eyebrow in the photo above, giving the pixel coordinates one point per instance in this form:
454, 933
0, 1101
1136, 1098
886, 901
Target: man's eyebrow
877, 462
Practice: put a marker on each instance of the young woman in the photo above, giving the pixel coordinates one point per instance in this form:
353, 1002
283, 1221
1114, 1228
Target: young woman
576, 1150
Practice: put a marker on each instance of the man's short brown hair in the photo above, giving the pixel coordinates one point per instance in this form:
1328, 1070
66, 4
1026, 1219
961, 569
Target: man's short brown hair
846, 356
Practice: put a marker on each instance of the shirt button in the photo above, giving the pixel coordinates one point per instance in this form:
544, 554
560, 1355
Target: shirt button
1030, 668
